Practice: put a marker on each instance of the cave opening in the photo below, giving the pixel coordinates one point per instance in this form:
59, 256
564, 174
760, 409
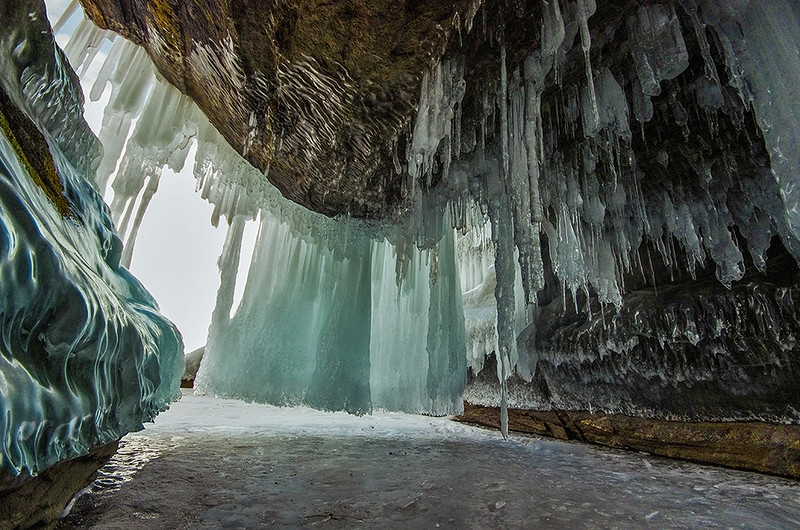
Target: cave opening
572, 221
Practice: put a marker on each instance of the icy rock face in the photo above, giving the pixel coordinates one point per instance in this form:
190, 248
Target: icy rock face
310, 92
85, 357
613, 190
655, 161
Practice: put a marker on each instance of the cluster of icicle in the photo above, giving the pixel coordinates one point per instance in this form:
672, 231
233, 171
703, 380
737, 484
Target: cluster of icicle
530, 185
324, 320
319, 289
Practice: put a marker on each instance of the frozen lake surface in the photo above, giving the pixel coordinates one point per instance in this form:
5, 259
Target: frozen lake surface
215, 463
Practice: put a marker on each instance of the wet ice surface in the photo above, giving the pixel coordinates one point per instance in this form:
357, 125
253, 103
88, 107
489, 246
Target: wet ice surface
212, 463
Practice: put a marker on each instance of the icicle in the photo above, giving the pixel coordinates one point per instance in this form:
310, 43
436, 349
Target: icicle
83, 46
502, 97
501, 214
503, 238
690, 6
767, 75
442, 91
537, 66
70, 10
586, 9
657, 46
147, 196
228, 265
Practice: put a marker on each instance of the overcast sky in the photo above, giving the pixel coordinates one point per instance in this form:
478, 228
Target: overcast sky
177, 248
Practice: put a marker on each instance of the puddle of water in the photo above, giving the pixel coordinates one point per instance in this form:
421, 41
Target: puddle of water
133, 454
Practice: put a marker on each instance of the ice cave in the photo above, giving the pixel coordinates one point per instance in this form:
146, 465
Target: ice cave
560, 219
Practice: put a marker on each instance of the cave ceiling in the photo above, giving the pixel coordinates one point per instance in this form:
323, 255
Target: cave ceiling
314, 93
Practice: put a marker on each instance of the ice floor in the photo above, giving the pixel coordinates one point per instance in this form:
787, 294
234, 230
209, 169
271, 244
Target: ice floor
214, 463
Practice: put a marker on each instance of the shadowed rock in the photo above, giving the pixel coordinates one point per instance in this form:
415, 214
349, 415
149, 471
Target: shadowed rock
314, 93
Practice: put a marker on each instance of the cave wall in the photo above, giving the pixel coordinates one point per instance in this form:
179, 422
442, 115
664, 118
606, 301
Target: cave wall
626, 164
668, 259
633, 160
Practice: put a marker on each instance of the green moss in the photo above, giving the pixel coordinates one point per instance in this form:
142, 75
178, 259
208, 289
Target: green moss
33, 152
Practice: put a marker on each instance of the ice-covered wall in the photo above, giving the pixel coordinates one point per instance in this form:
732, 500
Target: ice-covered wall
634, 156
85, 357
613, 190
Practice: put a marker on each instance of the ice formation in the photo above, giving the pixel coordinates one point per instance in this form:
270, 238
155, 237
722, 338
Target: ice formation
519, 186
85, 357
318, 326
343, 316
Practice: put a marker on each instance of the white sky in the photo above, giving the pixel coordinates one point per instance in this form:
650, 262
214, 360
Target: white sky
177, 248
55, 8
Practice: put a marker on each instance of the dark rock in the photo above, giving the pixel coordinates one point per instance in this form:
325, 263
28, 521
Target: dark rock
37, 502
691, 350
193, 360
764, 447
31, 147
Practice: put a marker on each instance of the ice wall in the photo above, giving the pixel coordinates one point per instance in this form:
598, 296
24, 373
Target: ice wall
85, 357
324, 321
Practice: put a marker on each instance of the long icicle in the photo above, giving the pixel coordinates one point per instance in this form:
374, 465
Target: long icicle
503, 238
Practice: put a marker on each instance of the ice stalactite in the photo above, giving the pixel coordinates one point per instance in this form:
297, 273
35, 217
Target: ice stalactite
657, 46
503, 226
760, 41
585, 9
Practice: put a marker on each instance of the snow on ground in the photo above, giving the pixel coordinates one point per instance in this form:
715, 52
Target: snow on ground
207, 414
214, 463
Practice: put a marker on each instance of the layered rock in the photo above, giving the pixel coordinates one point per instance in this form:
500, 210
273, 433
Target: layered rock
763, 447
315, 94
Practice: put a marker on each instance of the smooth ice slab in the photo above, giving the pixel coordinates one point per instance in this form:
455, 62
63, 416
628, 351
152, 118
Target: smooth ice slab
226, 463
